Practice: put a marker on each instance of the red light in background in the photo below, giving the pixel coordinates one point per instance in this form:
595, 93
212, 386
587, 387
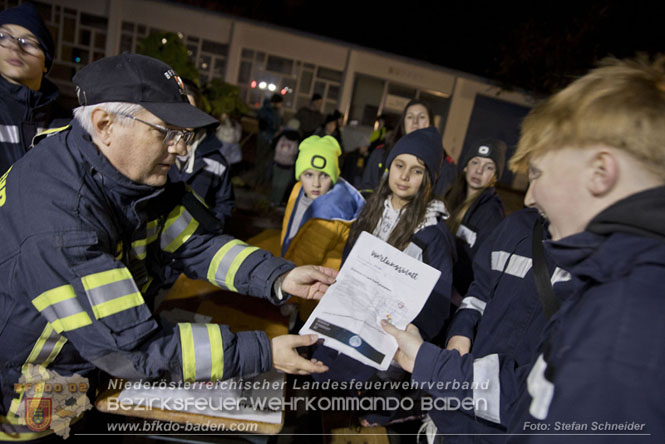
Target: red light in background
253, 84
283, 91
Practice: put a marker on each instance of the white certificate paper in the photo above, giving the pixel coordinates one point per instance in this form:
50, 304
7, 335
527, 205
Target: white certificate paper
377, 282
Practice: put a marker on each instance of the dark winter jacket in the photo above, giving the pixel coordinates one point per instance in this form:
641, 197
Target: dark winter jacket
479, 220
599, 368
501, 313
23, 113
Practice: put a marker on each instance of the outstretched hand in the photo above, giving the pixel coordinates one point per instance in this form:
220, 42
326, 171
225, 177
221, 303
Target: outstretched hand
308, 281
286, 358
409, 342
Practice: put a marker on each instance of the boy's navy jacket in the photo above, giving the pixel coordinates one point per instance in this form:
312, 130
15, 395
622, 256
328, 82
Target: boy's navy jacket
83, 249
436, 244
600, 366
23, 113
501, 313
480, 219
210, 177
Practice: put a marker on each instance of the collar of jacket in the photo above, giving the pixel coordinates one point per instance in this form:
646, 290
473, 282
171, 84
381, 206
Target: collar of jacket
627, 234
343, 203
487, 194
126, 191
47, 94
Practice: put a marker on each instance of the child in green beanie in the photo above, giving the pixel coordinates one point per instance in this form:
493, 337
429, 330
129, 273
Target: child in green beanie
320, 210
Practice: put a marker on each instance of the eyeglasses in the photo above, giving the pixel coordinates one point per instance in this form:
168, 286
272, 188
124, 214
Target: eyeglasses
171, 136
27, 46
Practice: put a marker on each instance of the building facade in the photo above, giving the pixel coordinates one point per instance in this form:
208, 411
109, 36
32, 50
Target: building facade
262, 59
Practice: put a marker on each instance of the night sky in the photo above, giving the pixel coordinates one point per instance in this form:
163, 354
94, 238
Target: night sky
538, 46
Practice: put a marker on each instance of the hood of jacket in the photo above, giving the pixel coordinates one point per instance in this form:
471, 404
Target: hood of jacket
343, 203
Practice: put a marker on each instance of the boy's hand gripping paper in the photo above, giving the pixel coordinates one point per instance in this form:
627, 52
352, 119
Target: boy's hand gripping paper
377, 282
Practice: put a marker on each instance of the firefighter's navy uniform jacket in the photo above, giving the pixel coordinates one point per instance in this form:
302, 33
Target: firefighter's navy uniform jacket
83, 249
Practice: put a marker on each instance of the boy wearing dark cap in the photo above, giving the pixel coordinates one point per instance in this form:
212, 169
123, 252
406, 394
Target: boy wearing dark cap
26, 98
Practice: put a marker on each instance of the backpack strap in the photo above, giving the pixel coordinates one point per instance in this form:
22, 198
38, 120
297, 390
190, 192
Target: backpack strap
540, 274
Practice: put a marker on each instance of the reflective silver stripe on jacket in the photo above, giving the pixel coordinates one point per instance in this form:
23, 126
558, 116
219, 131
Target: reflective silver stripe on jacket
179, 226
467, 234
9, 134
48, 342
540, 389
517, 265
487, 388
214, 167
225, 273
560, 275
473, 303
499, 259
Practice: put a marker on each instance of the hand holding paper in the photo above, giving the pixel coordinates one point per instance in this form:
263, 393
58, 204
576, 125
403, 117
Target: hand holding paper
308, 281
409, 343
377, 282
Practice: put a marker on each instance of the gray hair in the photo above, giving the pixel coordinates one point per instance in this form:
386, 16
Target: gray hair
82, 114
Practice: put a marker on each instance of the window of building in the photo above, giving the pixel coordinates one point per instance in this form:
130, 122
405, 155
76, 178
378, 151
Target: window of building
260, 75
80, 39
208, 56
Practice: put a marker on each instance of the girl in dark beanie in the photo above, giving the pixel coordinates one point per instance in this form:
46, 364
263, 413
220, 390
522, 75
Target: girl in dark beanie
475, 207
404, 213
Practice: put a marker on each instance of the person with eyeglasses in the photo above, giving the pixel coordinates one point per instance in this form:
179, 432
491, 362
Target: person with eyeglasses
90, 222
27, 100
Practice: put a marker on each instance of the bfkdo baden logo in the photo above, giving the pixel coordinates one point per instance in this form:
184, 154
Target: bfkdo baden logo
38, 413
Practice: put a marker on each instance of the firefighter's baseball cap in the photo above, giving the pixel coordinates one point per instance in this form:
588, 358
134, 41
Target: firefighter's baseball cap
143, 80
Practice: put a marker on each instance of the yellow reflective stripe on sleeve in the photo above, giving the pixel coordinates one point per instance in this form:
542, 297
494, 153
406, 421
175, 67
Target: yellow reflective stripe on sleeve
118, 251
216, 351
111, 292
61, 308
147, 285
217, 258
188, 353
105, 277
179, 227
71, 322
140, 246
53, 296
235, 265
152, 230
117, 305
46, 348
226, 262
202, 352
